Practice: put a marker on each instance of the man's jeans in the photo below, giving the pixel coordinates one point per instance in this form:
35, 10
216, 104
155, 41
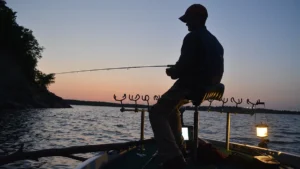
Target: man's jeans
166, 122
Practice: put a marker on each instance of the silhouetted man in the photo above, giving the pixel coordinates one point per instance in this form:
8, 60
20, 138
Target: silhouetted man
200, 64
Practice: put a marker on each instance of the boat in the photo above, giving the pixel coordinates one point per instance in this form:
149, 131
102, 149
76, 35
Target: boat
201, 153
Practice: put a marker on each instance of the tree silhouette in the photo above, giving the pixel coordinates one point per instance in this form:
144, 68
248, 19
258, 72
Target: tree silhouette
23, 46
44, 80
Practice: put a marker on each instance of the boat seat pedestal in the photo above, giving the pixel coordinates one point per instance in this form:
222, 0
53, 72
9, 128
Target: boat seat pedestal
213, 92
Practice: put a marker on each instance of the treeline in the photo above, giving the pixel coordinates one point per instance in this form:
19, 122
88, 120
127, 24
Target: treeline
201, 108
20, 43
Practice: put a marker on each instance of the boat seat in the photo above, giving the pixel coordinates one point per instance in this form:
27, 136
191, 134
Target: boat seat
213, 92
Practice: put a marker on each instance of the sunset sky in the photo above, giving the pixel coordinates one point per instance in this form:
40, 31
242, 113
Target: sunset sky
261, 40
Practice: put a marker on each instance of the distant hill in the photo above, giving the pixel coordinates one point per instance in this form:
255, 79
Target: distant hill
202, 108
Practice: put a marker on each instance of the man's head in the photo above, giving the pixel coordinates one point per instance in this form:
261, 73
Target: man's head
195, 16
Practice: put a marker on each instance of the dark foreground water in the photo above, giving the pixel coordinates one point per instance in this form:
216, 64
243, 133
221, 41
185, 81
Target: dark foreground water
84, 125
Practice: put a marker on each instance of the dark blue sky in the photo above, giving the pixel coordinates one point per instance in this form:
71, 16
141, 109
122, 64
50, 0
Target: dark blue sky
261, 41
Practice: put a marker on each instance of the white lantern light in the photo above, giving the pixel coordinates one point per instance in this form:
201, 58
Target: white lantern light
262, 130
185, 133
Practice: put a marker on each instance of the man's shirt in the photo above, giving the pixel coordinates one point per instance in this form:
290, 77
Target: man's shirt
201, 58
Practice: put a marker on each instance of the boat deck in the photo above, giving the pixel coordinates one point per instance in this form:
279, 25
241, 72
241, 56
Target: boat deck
134, 160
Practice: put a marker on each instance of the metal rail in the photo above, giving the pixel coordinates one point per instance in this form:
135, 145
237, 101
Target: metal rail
146, 98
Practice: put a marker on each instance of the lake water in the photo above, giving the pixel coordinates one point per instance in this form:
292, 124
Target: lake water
85, 125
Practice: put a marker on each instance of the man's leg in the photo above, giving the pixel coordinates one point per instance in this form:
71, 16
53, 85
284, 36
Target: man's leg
176, 127
159, 119
175, 124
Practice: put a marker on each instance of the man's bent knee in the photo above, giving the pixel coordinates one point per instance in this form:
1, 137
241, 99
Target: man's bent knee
162, 108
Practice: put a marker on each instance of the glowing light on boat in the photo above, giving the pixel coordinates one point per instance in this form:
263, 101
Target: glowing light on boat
185, 133
261, 130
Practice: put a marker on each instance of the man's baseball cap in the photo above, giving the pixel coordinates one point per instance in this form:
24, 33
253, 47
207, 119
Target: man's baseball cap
194, 12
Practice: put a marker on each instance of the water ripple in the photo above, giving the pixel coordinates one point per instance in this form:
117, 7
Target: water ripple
83, 125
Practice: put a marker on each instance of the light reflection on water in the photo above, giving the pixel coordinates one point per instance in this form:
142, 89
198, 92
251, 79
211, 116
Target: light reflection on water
84, 125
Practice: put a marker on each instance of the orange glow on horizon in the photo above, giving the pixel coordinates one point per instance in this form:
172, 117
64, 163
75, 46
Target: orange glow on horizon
92, 88
103, 85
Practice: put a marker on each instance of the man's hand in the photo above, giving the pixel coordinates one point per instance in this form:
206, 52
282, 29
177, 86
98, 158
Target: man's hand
168, 71
171, 72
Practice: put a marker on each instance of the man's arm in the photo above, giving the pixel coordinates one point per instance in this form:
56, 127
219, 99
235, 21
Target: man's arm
187, 57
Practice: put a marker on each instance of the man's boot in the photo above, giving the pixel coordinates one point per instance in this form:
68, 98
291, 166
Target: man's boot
175, 163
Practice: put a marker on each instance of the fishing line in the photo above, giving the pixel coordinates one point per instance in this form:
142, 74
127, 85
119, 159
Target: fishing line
114, 68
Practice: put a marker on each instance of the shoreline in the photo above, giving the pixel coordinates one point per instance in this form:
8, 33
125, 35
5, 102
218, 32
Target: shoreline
240, 110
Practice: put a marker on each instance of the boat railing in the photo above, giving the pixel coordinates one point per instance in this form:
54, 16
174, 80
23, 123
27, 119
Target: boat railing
146, 108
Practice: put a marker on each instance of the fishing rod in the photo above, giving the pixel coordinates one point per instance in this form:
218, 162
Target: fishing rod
114, 68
